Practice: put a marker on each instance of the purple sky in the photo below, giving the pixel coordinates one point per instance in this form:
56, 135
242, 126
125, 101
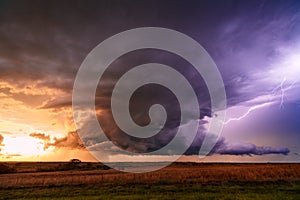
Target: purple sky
255, 44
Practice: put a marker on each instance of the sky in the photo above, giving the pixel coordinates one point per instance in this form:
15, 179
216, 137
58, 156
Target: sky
255, 45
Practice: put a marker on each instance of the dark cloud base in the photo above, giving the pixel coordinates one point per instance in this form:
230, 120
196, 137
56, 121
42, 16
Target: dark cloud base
45, 43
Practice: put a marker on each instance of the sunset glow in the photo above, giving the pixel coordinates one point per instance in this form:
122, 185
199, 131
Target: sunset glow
23, 146
255, 46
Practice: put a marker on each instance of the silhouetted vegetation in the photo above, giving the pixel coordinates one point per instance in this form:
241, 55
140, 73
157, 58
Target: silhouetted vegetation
4, 169
95, 173
73, 165
75, 160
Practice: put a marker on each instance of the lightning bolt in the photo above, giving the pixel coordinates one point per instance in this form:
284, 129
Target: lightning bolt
251, 109
279, 90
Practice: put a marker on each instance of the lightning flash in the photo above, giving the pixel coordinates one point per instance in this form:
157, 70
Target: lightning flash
278, 92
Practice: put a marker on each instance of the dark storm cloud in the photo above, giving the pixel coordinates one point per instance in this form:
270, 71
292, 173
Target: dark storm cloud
45, 42
31, 100
236, 149
42, 39
249, 43
222, 146
36, 46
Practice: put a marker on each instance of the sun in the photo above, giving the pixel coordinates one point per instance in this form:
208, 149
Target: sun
23, 146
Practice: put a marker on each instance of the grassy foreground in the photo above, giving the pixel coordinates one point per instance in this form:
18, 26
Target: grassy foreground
261, 190
178, 181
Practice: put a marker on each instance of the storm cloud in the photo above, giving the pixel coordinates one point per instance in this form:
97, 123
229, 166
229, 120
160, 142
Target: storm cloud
249, 149
44, 43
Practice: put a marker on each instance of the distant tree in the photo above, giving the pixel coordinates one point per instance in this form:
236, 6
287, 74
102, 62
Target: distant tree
75, 160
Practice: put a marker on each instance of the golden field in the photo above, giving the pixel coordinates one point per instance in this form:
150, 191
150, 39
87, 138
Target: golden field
30, 174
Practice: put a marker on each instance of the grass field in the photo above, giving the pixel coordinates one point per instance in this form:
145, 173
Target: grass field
178, 181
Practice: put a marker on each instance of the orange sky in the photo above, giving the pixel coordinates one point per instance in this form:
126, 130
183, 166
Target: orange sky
44, 43
31, 132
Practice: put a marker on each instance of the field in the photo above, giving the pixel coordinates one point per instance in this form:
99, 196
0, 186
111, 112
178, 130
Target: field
178, 181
